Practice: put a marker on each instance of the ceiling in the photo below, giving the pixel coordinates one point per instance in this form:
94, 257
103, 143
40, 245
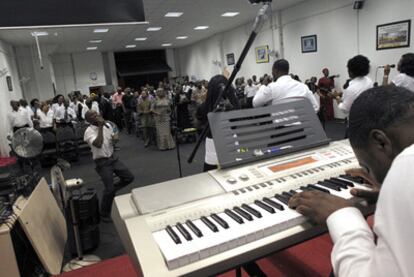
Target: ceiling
195, 13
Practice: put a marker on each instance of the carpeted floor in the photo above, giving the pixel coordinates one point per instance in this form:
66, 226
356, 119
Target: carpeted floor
151, 166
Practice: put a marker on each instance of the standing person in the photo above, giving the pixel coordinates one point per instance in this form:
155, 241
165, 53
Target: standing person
183, 116
144, 109
45, 117
320, 97
249, 92
23, 104
118, 107
18, 118
58, 104
162, 117
128, 108
101, 138
214, 88
283, 88
358, 69
406, 76
326, 85
382, 137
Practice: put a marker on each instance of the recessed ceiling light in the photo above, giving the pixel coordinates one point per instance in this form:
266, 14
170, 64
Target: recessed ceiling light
153, 29
141, 39
174, 14
92, 48
101, 30
96, 41
130, 46
230, 14
166, 44
183, 37
201, 27
40, 34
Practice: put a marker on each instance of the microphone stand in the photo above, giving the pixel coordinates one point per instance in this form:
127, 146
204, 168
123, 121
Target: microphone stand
261, 17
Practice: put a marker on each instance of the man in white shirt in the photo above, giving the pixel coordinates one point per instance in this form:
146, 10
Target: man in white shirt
101, 138
406, 68
284, 88
65, 115
19, 117
358, 69
45, 117
382, 137
249, 92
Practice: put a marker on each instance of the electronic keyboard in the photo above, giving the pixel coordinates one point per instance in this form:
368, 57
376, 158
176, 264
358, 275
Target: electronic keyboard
209, 223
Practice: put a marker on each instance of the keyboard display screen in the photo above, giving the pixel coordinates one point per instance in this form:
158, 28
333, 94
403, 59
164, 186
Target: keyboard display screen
292, 164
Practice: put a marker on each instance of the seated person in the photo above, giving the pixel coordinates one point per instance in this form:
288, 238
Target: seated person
382, 137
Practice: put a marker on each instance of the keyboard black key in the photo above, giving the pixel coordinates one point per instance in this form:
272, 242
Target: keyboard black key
273, 204
282, 198
287, 194
329, 186
194, 228
293, 192
251, 210
352, 178
243, 213
184, 232
234, 216
209, 224
173, 235
337, 184
220, 221
306, 189
264, 206
318, 188
340, 181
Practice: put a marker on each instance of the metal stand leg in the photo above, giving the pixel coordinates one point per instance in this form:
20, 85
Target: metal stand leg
238, 271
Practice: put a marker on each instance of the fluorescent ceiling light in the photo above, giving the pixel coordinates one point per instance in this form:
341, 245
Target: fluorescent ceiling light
230, 14
166, 44
101, 30
174, 14
40, 34
182, 37
141, 39
130, 46
201, 27
153, 29
96, 41
92, 48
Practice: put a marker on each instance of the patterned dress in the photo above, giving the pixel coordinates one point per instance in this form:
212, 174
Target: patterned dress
162, 112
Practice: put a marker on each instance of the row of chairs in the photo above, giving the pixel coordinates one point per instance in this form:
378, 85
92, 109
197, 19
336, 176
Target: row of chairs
66, 142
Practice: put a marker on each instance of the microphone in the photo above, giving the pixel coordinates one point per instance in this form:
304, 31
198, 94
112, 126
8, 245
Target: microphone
264, 13
334, 76
390, 65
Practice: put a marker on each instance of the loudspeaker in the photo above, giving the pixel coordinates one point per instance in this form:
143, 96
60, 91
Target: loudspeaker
86, 207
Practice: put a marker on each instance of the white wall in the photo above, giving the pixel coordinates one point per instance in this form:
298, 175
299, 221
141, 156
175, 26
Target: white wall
7, 61
39, 82
342, 33
197, 59
72, 71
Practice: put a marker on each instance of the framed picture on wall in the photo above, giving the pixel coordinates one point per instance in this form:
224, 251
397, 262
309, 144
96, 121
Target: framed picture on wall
230, 59
309, 44
394, 35
262, 54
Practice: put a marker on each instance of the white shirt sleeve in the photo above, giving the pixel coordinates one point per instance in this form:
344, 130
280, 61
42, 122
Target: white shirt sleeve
313, 101
355, 252
90, 136
262, 97
347, 100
